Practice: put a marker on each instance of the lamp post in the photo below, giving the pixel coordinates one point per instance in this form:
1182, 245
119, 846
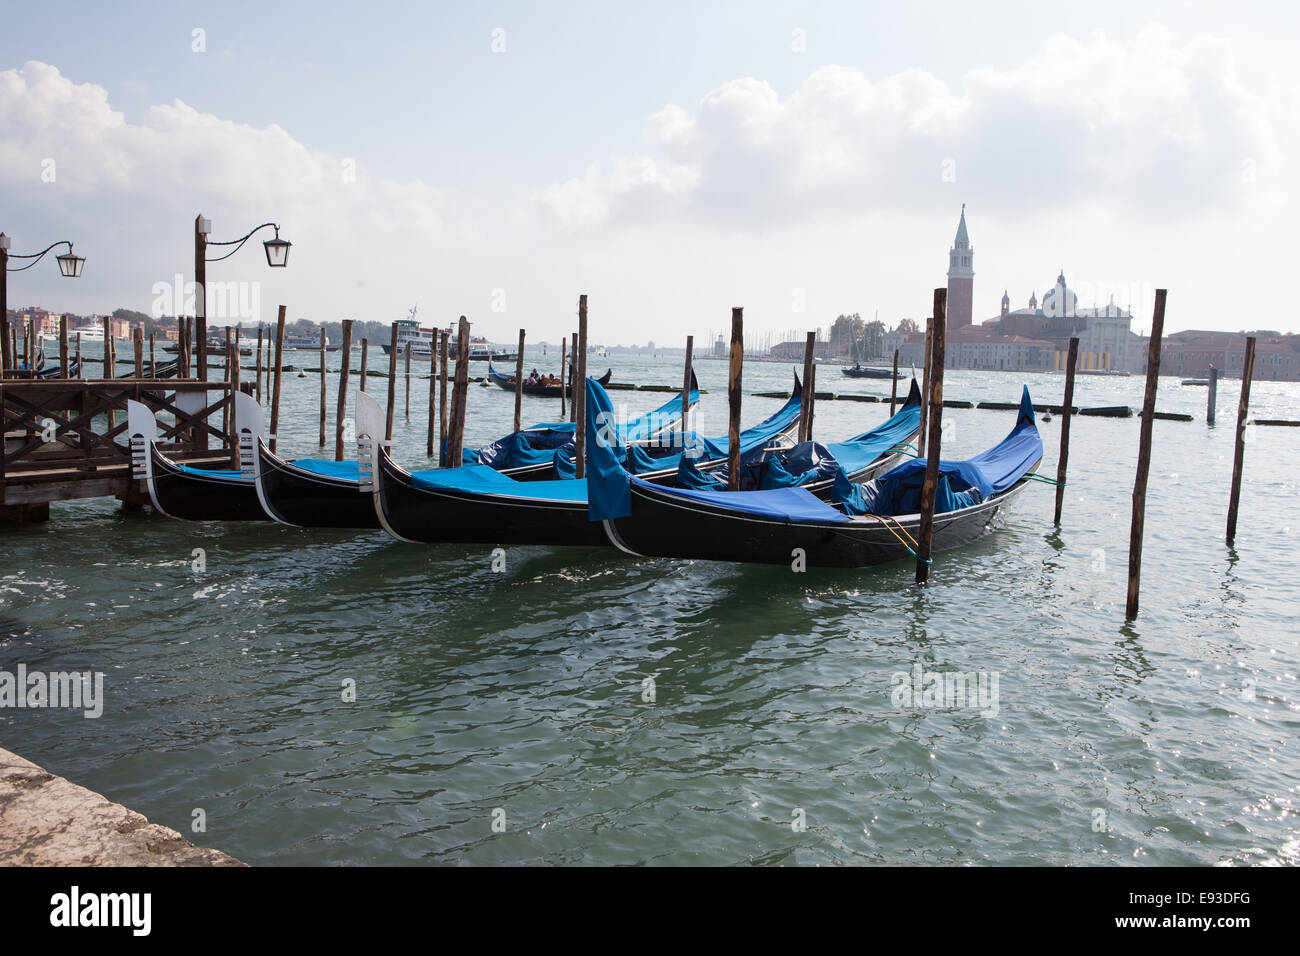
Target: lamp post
277, 257
70, 266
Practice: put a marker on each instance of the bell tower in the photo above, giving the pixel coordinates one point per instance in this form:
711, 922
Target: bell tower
961, 277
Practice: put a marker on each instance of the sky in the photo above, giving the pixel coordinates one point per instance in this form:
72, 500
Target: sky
671, 160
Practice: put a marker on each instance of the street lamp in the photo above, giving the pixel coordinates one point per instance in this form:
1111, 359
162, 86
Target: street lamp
70, 265
277, 257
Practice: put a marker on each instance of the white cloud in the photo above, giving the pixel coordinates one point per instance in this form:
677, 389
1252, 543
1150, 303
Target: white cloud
142, 184
1147, 128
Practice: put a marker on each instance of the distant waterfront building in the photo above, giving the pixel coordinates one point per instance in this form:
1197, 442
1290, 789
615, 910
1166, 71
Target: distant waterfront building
1190, 354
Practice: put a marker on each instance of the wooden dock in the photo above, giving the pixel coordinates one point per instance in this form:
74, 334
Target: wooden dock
67, 438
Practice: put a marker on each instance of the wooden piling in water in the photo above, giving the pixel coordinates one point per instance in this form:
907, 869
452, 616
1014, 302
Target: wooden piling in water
407, 352
1211, 395
925, 385
279, 370
565, 380
733, 396
341, 407
109, 365
137, 345
365, 354
573, 376
686, 382
1144, 458
893, 387
519, 383
459, 396
323, 405
433, 391
392, 383
937, 342
809, 349
153, 359
81, 368
443, 359
63, 345
812, 400
232, 374
258, 386
1066, 406
580, 390
1239, 452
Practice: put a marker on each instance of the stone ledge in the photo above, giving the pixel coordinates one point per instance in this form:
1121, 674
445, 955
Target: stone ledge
47, 821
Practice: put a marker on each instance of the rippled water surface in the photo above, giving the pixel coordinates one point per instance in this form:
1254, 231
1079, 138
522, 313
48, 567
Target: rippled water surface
519, 697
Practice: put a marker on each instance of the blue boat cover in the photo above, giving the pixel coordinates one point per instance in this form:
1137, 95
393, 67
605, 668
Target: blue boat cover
345, 470
211, 473
482, 480
961, 483
683, 452
793, 505
537, 445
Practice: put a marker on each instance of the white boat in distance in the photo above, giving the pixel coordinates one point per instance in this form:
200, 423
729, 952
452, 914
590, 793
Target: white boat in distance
419, 341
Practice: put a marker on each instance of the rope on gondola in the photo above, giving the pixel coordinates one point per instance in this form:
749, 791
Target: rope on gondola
900, 534
905, 446
1044, 479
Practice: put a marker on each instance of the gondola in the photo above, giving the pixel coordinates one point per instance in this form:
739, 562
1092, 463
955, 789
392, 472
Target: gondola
814, 466
858, 371
168, 369
475, 504
539, 390
530, 454
56, 371
195, 494
315, 493
866, 525
312, 493
472, 504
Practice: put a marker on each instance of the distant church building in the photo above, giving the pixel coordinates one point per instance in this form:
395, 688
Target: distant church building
961, 278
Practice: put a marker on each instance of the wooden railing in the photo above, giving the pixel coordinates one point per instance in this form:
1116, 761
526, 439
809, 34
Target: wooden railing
67, 438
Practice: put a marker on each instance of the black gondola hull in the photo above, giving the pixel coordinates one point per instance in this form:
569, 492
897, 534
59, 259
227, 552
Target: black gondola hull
663, 526
460, 517
299, 497
186, 495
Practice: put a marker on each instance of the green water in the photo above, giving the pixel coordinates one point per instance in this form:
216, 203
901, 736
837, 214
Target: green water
502, 717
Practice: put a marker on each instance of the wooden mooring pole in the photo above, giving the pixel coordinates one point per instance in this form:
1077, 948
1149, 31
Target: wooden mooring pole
232, 375
63, 345
81, 368
408, 381
937, 341
686, 383
279, 371
925, 386
137, 346
580, 390
341, 406
433, 392
733, 396
566, 382
809, 347
257, 391
573, 377
459, 396
1239, 453
1144, 458
392, 383
153, 360
519, 384
323, 389
365, 362
893, 387
1211, 395
443, 359
1066, 414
